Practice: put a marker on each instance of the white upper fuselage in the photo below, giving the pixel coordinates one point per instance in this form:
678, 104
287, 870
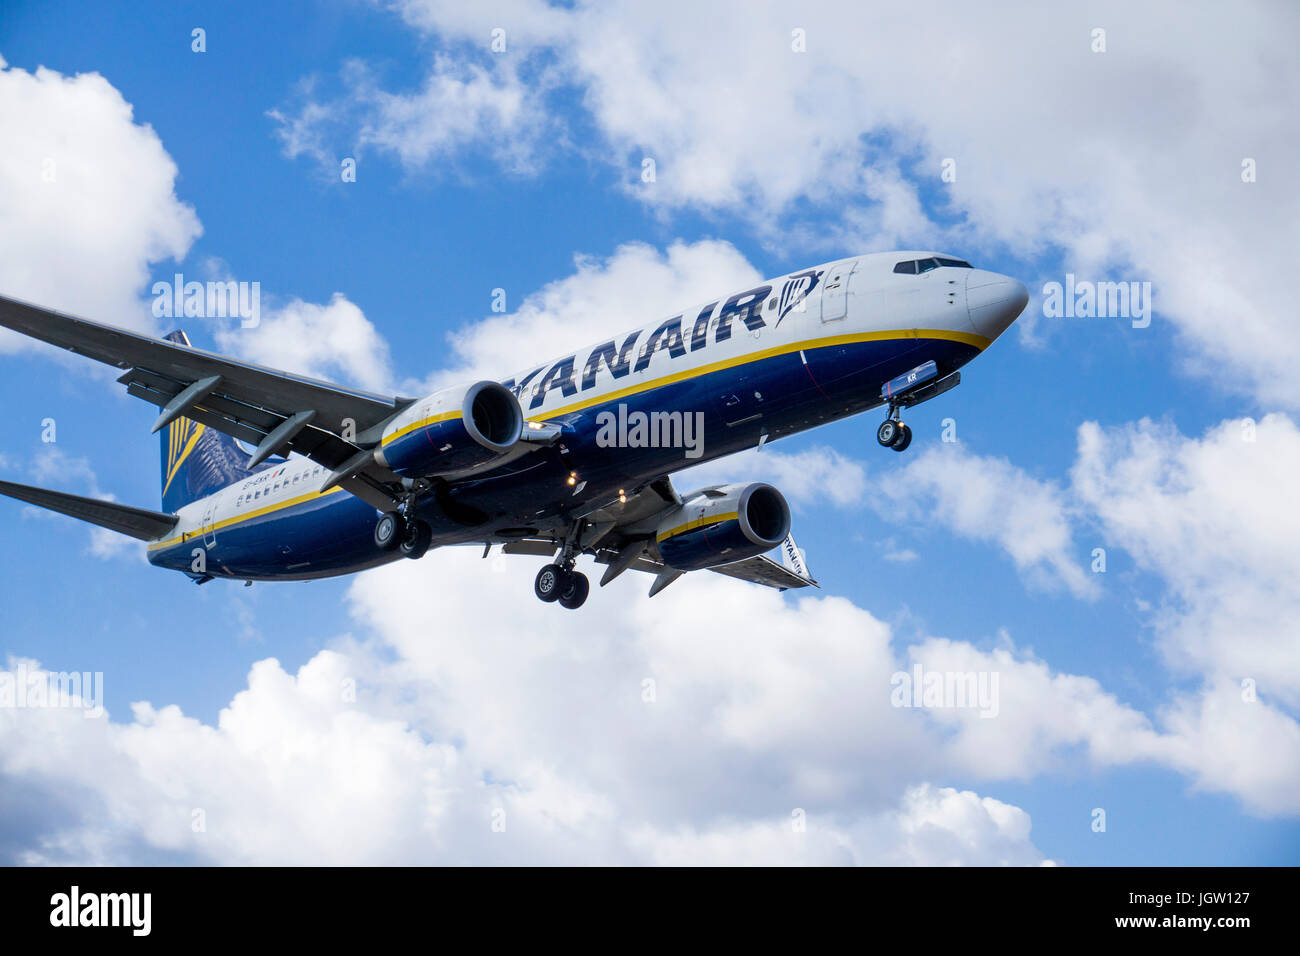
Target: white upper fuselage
871, 297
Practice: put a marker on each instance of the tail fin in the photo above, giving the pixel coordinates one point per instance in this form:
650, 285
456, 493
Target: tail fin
197, 460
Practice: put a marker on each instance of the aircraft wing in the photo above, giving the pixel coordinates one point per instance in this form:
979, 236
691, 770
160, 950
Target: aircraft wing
624, 542
243, 400
759, 569
137, 522
763, 570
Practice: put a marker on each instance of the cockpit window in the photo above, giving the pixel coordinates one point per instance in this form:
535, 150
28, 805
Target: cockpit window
916, 266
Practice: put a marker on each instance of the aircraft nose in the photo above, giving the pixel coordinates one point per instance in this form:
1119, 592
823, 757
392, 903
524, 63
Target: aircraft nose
994, 301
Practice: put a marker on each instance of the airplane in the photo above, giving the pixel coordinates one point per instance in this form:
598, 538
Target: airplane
269, 476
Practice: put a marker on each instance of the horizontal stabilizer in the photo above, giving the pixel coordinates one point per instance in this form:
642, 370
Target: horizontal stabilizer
137, 522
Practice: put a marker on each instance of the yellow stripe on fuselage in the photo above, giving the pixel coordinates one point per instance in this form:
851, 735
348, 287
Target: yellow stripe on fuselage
967, 338
237, 519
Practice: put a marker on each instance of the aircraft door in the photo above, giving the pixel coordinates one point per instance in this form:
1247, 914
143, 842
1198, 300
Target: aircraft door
835, 290
209, 527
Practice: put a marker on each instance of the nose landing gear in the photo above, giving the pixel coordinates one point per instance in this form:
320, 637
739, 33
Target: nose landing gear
903, 391
892, 433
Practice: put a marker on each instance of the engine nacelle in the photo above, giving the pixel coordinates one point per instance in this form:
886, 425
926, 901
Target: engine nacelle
721, 525
453, 431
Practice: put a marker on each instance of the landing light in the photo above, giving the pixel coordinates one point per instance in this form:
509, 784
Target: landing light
573, 477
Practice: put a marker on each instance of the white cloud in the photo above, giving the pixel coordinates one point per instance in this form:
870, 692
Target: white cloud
1214, 517
1129, 160
989, 499
295, 773
1228, 740
1042, 720
766, 707
946, 827
88, 203
900, 556
87, 199
458, 105
932, 826
603, 297
333, 342
52, 467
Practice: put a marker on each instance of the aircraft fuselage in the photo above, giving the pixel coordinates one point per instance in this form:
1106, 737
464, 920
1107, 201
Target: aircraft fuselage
781, 357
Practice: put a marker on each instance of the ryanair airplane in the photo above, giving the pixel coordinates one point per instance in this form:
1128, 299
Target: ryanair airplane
573, 457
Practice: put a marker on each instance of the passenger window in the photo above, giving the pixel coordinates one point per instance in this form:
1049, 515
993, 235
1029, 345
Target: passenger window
906, 268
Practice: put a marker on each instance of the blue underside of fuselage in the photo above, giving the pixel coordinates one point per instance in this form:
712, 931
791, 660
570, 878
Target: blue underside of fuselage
775, 396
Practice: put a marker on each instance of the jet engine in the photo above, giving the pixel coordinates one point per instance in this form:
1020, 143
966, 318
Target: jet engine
721, 525
453, 431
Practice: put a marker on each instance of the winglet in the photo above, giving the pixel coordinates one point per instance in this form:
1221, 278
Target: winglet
794, 559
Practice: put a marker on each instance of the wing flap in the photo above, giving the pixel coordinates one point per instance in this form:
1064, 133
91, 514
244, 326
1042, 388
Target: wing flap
761, 569
136, 522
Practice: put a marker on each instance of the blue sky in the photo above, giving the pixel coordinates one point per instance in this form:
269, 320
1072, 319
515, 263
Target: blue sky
426, 233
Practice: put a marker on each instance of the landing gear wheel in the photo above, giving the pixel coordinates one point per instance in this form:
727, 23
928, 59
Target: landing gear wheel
417, 539
888, 432
389, 531
902, 439
575, 594
550, 582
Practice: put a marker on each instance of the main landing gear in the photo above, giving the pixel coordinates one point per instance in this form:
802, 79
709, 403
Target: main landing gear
892, 433
555, 583
559, 581
410, 536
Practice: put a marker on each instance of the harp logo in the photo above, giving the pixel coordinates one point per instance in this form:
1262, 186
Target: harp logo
182, 436
797, 288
